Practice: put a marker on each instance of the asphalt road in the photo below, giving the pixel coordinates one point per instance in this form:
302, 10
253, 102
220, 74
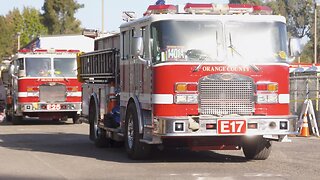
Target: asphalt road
46, 150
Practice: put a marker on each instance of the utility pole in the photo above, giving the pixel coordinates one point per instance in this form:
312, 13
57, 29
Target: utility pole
102, 16
316, 4
18, 38
315, 32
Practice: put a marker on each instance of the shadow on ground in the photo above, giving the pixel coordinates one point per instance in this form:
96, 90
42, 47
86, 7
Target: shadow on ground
80, 145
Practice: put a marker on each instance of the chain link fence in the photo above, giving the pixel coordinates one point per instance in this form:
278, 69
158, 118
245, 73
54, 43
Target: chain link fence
304, 85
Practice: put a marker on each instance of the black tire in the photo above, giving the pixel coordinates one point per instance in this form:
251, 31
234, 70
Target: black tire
8, 118
8, 113
97, 134
16, 120
76, 120
256, 148
135, 149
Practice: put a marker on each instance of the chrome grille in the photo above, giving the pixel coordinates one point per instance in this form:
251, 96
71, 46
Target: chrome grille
52, 93
225, 94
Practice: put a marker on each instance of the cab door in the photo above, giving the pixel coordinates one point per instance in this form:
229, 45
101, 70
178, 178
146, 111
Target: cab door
142, 71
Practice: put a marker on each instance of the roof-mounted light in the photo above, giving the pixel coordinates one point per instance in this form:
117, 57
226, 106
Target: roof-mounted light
262, 10
24, 50
221, 9
50, 51
240, 8
199, 8
40, 51
161, 9
73, 51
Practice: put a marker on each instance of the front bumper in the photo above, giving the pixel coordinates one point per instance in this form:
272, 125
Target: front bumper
188, 126
49, 107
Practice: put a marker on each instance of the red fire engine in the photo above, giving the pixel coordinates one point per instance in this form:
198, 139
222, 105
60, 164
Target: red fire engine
43, 83
213, 77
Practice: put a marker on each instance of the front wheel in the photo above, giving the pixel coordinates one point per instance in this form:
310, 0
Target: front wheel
135, 149
256, 148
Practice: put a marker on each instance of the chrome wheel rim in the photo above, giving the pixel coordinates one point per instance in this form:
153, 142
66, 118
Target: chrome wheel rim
130, 132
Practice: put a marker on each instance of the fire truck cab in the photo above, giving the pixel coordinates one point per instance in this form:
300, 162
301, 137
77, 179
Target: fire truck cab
213, 77
43, 83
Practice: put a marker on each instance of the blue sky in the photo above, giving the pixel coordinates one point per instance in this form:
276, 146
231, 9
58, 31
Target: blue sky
90, 15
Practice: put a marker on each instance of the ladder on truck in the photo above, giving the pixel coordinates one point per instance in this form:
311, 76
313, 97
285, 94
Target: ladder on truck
99, 66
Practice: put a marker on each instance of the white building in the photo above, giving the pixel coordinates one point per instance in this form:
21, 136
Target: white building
68, 42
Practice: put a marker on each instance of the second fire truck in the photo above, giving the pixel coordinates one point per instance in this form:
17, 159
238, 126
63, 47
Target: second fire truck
43, 83
210, 78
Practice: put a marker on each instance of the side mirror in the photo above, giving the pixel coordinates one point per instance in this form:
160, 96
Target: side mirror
11, 69
16, 69
137, 50
137, 47
295, 47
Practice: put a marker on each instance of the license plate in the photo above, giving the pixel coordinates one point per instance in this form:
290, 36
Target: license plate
53, 107
232, 126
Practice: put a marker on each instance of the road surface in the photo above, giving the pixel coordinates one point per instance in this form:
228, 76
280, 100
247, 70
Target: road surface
46, 150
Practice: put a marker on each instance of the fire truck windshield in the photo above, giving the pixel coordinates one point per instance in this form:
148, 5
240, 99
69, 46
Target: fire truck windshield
42, 67
186, 40
64, 67
256, 41
218, 41
38, 67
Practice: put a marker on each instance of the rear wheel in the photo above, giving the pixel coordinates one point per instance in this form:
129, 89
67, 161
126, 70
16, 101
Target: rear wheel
97, 134
8, 113
135, 149
76, 119
256, 148
8, 118
16, 120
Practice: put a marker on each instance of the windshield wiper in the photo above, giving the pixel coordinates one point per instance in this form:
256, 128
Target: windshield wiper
197, 54
254, 67
199, 66
232, 47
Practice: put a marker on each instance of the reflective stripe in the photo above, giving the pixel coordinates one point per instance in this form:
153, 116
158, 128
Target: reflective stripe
76, 94
31, 94
284, 98
145, 98
168, 98
162, 99
22, 94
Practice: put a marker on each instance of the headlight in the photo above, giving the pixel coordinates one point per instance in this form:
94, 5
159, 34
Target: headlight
267, 98
186, 99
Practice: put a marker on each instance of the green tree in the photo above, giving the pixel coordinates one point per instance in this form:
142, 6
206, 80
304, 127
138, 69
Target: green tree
308, 53
299, 16
59, 16
6, 43
14, 21
253, 2
27, 24
32, 25
297, 13
279, 7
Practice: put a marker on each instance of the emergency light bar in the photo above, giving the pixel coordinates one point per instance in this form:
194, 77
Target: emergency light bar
262, 10
240, 8
48, 51
210, 8
226, 9
161, 9
199, 8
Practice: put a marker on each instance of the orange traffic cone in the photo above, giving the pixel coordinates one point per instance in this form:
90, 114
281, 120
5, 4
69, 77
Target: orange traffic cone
304, 131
